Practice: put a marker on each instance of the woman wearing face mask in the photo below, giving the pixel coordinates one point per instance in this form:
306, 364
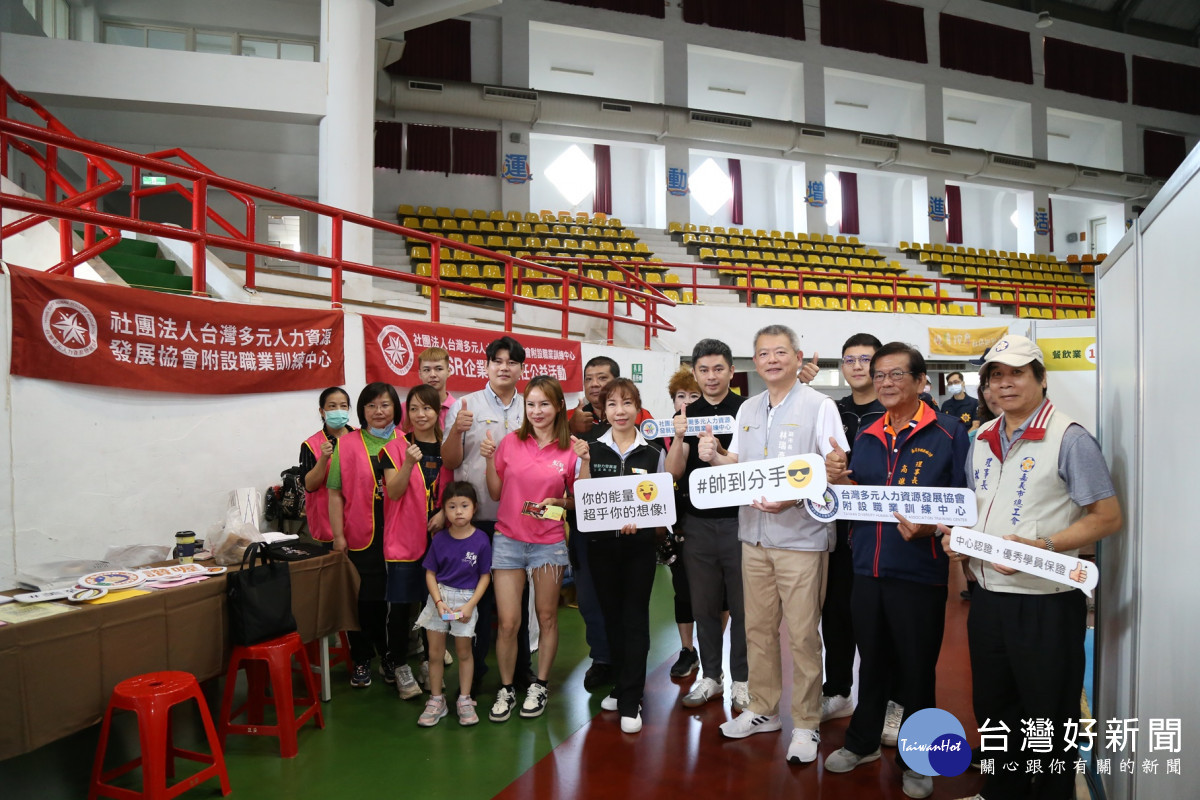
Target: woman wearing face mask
315, 453
358, 512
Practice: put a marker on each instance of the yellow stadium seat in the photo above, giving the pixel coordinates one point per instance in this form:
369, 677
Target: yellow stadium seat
763, 301
910, 307
927, 308
882, 305
814, 302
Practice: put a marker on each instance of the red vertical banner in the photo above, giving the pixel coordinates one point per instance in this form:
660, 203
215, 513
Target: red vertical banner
393, 345
66, 329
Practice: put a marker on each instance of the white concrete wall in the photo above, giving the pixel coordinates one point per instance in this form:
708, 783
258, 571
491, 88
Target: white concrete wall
162, 79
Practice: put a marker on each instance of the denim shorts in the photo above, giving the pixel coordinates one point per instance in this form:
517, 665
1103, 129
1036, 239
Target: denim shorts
430, 619
510, 554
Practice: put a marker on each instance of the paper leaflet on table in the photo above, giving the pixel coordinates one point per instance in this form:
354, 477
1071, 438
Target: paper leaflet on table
1073, 571
799, 477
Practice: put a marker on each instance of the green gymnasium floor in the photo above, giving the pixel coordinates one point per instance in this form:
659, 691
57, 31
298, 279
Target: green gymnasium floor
371, 743
372, 747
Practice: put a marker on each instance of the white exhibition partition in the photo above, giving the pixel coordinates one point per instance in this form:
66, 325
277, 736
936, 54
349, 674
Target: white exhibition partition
1147, 649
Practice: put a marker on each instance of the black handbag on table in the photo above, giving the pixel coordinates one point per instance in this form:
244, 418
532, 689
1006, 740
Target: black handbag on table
259, 598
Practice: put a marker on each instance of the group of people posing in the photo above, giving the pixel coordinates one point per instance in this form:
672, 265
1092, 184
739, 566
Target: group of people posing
457, 518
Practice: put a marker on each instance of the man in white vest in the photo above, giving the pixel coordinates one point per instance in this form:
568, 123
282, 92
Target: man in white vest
785, 551
1039, 479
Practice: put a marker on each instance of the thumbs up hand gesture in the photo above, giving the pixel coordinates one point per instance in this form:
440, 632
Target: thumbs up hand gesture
487, 447
582, 449
809, 370
680, 422
836, 463
581, 421
464, 420
708, 445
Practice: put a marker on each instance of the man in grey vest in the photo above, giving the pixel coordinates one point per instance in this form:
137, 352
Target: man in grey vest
1039, 479
498, 409
785, 551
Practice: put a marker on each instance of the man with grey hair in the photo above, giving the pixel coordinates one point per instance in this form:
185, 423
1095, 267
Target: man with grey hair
785, 551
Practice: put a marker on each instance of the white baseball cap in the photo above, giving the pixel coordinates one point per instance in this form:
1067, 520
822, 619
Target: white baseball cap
1013, 350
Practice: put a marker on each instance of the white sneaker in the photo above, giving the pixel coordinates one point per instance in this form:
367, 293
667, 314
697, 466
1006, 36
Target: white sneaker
803, 749
835, 707
746, 724
842, 760
447, 659
631, 724
914, 784
891, 724
741, 695
406, 684
535, 700
609, 703
704, 690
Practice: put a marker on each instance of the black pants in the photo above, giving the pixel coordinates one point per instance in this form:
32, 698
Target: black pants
623, 569
486, 623
837, 622
683, 591
1027, 662
383, 626
899, 626
713, 558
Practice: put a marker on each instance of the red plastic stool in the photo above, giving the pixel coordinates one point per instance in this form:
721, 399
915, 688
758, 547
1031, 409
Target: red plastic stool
151, 697
270, 663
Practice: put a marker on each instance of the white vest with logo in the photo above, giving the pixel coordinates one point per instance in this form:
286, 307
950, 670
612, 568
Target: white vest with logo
489, 415
793, 430
1023, 494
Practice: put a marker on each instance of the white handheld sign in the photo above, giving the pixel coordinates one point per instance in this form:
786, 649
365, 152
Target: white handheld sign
606, 504
1070, 571
797, 477
919, 505
660, 428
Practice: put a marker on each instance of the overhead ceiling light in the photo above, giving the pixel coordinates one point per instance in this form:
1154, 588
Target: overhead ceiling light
963, 120
1058, 135
851, 105
726, 90
1043, 20
586, 72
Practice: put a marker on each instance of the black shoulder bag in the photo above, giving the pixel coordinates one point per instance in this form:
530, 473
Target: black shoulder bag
259, 598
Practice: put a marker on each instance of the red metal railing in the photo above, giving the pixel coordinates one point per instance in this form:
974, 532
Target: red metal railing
139, 191
636, 293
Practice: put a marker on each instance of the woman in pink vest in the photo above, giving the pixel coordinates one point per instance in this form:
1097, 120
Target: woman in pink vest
412, 474
315, 453
360, 517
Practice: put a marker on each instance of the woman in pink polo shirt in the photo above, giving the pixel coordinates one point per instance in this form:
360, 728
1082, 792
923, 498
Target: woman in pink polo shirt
536, 463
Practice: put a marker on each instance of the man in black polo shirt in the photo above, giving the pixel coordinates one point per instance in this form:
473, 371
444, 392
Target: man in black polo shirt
859, 409
713, 554
960, 404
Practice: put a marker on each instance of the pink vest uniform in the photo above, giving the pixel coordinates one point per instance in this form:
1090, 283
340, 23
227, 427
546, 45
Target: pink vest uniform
316, 504
404, 536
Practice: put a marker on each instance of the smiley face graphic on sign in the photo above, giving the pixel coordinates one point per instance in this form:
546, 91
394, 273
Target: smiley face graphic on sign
799, 473
646, 491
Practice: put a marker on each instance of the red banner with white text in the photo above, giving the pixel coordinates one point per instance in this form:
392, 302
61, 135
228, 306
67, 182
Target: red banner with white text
67, 329
392, 347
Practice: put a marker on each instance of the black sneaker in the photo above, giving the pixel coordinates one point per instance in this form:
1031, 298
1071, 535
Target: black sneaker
506, 700
598, 676
360, 676
387, 668
687, 664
